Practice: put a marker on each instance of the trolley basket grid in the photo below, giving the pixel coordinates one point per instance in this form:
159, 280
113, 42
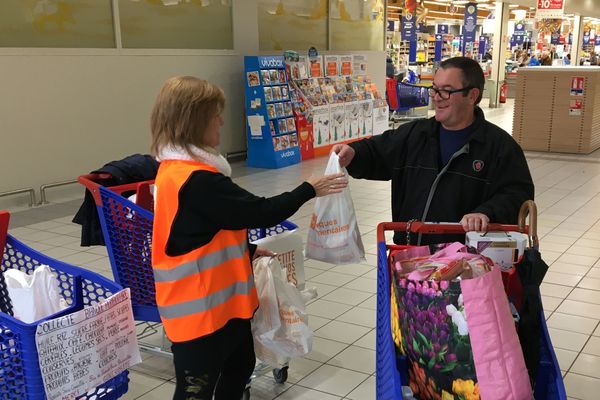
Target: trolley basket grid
20, 375
392, 371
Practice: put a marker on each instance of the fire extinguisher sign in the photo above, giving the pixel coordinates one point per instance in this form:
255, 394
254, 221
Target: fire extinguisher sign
577, 83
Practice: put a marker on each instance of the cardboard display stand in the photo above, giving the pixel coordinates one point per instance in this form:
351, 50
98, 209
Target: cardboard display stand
270, 123
340, 107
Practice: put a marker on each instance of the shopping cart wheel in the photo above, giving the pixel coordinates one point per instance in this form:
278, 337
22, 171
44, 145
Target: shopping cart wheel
246, 394
280, 375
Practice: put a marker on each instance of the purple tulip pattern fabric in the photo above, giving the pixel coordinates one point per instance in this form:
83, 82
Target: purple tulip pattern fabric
429, 327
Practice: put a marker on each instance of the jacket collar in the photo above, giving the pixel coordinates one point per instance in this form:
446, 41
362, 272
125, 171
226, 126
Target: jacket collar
478, 134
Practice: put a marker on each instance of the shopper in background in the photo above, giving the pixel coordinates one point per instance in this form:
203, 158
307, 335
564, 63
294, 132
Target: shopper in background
453, 167
533, 61
390, 70
567, 59
593, 58
546, 59
201, 257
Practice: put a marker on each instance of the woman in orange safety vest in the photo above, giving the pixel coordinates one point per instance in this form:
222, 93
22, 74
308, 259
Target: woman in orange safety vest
200, 252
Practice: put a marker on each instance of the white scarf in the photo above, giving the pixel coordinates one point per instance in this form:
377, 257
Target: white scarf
216, 160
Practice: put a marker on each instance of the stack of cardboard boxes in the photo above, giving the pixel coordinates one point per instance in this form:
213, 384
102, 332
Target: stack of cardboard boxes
557, 109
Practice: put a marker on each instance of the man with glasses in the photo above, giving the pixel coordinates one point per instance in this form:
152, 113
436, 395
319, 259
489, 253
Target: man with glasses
453, 167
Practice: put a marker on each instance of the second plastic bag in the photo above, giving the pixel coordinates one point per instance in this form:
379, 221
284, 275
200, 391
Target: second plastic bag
333, 235
280, 325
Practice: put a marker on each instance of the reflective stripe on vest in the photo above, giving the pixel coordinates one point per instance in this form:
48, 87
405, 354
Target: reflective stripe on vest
208, 302
203, 263
198, 292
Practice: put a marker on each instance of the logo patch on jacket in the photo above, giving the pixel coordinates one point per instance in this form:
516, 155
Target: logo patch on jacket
478, 165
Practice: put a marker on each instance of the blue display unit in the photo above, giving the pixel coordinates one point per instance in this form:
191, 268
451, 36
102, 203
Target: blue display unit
270, 125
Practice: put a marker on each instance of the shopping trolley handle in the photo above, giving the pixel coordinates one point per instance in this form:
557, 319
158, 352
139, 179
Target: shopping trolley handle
435, 228
92, 183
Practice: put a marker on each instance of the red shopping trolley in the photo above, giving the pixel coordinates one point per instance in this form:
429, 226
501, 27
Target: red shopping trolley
392, 370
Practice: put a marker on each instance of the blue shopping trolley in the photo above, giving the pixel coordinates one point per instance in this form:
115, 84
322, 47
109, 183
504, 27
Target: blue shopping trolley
20, 375
127, 231
392, 371
404, 98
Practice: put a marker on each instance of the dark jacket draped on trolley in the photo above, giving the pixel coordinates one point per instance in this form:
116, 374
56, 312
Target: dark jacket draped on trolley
488, 175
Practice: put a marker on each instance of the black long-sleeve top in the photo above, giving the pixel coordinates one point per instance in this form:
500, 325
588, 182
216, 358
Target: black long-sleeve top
209, 202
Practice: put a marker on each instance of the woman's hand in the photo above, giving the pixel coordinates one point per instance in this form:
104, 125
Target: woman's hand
262, 252
328, 184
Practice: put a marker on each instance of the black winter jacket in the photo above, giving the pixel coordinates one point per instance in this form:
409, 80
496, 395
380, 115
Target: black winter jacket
488, 175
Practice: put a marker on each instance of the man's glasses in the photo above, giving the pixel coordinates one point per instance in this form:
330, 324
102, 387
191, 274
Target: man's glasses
445, 94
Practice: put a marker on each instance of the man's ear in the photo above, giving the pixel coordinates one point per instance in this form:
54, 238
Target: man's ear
474, 94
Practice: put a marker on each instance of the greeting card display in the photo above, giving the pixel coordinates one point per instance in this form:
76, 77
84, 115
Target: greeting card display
271, 131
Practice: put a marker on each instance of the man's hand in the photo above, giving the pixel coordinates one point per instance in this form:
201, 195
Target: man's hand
345, 152
475, 222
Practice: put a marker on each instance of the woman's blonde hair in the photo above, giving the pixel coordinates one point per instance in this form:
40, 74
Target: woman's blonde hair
182, 112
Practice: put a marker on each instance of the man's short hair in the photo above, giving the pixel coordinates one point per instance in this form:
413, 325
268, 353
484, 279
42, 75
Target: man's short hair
471, 71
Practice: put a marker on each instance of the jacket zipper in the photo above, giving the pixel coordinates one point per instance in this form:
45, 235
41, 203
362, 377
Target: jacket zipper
462, 150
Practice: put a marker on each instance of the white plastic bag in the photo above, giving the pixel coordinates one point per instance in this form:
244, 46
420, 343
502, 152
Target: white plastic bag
288, 249
280, 325
35, 296
333, 235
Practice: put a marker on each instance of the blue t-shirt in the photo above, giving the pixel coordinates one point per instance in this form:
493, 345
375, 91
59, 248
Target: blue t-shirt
451, 142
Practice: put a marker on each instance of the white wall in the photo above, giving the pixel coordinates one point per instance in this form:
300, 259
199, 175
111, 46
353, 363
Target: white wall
66, 112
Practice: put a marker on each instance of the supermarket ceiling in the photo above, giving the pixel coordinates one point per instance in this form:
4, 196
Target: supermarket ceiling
441, 10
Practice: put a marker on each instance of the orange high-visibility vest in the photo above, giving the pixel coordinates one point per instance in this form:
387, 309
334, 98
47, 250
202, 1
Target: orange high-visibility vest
197, 292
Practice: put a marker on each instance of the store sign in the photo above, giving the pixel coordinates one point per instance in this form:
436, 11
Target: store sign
421, 28
270, 62
513, 41
483, 41
549, 9
555, 37
470, 22
586, 37
443, 29
408, 27
577, 85
570, 38
437, 56
519, 34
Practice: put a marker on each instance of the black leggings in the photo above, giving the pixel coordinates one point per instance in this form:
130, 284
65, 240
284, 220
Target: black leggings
220, 363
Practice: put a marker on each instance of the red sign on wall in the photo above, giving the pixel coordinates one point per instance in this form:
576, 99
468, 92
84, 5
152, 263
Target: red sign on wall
550, 9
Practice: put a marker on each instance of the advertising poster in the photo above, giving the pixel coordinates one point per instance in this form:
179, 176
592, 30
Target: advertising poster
577, 83
575, 107
483, 40
352, 111
409, 28
442, 29
470, 22
321, 126
331, 65
555, 37
359, 64
338, 126
381, 121
365, 118
346, 65
550, 9
437, 55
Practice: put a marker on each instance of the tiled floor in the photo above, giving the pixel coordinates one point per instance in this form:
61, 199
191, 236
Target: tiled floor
342, 362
